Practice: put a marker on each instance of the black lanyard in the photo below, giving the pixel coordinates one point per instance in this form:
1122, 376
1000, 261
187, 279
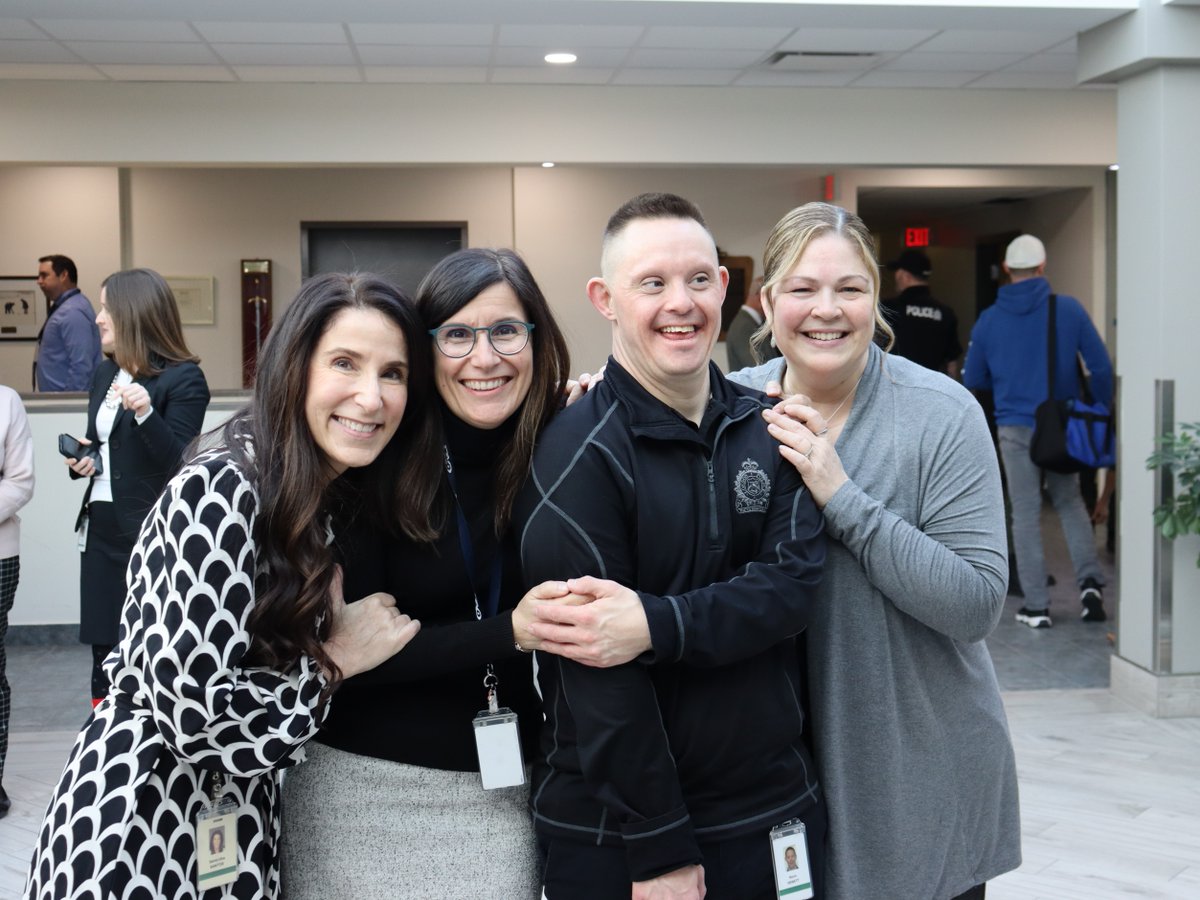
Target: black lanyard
468, 552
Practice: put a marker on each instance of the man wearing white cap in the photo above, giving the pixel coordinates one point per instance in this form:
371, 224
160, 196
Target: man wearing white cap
1007, 355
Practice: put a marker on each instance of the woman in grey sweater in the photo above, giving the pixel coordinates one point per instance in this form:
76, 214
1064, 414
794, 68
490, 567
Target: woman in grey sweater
911, 736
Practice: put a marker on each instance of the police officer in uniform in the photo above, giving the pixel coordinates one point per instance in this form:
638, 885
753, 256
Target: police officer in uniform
926, 330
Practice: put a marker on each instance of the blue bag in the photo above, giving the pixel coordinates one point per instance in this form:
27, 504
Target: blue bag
1071, 435
1091, 434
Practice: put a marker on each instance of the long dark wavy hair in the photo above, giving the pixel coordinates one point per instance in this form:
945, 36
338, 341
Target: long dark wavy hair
271, 441
453, 283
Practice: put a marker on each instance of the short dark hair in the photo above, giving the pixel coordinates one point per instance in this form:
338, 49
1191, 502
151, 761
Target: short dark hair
450, 285
60, 264
653, 206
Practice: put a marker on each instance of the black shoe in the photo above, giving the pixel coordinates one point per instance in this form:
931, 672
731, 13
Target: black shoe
1092, 599
1034, 618
5, 803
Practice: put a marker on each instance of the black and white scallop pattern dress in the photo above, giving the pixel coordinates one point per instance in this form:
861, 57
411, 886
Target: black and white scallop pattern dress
182, 707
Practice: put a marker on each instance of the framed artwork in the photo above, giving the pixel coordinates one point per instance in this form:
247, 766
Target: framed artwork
194, 297
22, 308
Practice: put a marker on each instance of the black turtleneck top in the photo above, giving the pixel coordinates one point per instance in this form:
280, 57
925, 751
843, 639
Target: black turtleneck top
417, 707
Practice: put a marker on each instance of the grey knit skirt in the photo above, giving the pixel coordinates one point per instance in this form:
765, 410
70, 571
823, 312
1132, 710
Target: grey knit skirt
362, 828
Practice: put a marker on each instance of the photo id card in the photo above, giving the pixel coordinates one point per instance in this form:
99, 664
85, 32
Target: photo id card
789, 853
216, 845
499, 747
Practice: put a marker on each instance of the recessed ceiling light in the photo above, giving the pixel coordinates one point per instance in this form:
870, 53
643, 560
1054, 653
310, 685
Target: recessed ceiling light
560, 59
547, 165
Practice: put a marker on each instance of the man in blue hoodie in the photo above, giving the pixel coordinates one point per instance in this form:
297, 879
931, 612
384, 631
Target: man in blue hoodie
1007, 356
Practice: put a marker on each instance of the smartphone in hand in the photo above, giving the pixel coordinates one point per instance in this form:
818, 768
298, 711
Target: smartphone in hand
71, 448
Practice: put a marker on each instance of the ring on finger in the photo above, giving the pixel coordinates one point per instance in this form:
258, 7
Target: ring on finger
811, 448
822, 431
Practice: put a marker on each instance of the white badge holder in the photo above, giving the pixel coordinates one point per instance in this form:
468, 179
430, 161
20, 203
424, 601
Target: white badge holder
498, 741
216, 841
789, 854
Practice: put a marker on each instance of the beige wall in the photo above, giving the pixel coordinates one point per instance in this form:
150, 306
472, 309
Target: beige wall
205, 221
55, 210
389, 124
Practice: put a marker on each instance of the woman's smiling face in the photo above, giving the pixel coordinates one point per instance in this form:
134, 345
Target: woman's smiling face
823, 312
485, 387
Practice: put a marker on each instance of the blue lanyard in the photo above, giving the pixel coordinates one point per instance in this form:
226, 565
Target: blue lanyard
468, 551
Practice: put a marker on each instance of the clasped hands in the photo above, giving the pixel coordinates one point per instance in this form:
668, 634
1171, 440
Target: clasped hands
801, 432
592, 621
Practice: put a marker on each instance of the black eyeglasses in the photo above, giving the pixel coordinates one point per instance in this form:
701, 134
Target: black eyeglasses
457, 341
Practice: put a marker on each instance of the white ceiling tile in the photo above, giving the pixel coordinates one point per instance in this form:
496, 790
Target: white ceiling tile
166, 53
855, 40
882, 79
272, 32
124, 30
52, 72
386, 55
167, 73
761, 78
1041, 80
285, 54
589, 57
993, 40
298, 74
650, 58
20, 30
1046, 62
569, 37
951, 62
675, 76
35, 52
452, 35
427, 74
550, 75
716, 38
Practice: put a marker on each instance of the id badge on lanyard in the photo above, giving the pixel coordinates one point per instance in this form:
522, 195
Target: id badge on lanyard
498, 742
789, 853
497, 737
216, 840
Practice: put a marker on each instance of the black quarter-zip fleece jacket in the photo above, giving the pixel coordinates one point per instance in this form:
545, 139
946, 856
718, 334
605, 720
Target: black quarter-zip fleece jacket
698, 740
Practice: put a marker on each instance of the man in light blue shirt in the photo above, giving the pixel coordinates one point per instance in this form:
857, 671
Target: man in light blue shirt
68, 349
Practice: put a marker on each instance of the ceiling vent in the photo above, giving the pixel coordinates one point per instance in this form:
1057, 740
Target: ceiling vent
819, 61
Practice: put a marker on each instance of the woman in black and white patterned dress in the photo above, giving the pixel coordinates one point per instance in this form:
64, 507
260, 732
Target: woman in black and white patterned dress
234, 632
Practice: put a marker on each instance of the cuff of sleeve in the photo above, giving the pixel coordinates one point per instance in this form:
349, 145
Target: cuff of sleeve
842, 508
663, 844
141, 419
666, 628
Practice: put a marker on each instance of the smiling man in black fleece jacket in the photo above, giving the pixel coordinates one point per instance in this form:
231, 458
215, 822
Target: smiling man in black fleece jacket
664, 772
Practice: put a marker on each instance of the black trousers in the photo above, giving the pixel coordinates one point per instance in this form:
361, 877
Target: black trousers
737, 869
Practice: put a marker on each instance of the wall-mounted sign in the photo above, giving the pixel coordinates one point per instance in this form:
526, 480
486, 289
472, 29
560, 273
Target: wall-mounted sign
916, 237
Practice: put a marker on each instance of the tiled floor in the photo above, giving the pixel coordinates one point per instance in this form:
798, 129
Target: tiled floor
1110, 798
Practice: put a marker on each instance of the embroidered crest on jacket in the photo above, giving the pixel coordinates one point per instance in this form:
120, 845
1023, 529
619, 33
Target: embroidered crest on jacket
752, 488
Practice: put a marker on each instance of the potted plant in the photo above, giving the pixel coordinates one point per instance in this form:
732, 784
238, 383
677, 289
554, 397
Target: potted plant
1179, 454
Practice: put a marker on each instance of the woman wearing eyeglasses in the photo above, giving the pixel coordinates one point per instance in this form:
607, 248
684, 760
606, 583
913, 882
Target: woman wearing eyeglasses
390, 803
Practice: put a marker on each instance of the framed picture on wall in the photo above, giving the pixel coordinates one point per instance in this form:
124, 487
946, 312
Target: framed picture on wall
22, 308
194, 297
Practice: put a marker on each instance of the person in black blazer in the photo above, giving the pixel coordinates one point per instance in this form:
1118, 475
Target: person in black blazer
146, 404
